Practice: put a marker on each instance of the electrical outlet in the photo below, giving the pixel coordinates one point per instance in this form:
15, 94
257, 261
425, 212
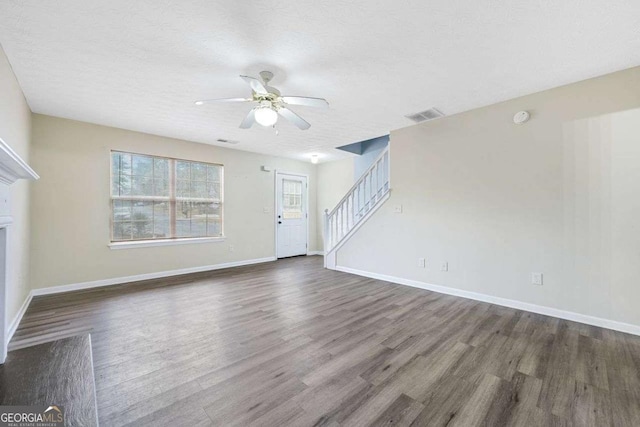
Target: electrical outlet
536, 279
422, 263
397, 209
231, 248
444, 266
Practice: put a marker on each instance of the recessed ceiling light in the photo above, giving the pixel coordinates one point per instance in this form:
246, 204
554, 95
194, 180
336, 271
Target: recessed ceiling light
199, 102
314, 158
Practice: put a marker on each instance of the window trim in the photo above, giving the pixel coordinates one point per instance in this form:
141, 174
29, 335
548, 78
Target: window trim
132, 244
138, 243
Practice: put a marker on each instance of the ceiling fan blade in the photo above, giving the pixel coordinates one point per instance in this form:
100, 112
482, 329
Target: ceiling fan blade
256, 85
222, 100
305, 100
294, 118
249, 120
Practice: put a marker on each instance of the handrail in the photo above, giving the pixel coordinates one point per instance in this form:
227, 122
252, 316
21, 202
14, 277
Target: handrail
362, 199
359, 181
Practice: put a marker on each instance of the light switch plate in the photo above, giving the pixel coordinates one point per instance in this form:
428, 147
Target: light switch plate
422, 263
397, 209
444, 266
536, 279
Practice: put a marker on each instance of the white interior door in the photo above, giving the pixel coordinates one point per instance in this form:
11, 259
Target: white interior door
291, 215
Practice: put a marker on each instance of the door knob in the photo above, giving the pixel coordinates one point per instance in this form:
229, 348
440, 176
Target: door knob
279, 222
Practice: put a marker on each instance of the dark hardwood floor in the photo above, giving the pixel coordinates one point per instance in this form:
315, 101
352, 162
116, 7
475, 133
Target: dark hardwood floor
289, 343
54, 373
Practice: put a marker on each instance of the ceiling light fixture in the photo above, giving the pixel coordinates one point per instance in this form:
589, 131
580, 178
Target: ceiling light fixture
266, 116
314, 158
272, 103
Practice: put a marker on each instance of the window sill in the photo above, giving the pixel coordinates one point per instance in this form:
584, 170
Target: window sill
163, 242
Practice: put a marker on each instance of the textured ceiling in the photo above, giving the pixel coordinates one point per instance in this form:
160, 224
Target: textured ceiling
140, 64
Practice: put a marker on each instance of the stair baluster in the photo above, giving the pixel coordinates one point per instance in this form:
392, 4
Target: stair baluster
366, 195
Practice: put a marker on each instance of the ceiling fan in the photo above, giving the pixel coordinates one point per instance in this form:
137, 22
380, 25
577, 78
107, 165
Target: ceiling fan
270, 103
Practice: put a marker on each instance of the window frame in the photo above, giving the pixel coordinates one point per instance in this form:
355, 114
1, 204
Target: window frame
172, 199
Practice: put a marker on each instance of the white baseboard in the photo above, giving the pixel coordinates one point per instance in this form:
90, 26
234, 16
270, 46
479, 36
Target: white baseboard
315, 253
519, 305
148, 276
117, 281
18, 317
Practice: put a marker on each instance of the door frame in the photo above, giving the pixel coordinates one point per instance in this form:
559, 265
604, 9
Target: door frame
275, 206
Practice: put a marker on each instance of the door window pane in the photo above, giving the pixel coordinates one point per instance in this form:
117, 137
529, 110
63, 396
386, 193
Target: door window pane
291, 199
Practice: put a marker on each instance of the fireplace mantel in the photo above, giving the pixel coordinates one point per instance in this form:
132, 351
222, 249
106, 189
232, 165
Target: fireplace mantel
12, 167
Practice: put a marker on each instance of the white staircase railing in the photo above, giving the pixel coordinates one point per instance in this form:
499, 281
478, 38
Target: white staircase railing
360, 201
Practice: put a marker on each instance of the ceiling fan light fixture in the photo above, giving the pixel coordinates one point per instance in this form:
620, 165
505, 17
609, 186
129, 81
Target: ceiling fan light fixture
266, 116
270, 104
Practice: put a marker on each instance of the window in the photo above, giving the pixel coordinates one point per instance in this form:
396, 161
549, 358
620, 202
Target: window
161, 198
291, 199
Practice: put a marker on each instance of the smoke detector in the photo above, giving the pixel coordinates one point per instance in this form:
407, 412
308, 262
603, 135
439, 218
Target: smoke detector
521, 117
423, 116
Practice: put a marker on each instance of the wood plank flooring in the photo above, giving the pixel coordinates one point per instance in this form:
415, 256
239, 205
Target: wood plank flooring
289, 343
55, 373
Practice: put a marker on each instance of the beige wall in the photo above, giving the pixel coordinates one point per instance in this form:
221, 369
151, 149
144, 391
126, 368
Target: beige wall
334, 180
15, 130
498, 201
71, 204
